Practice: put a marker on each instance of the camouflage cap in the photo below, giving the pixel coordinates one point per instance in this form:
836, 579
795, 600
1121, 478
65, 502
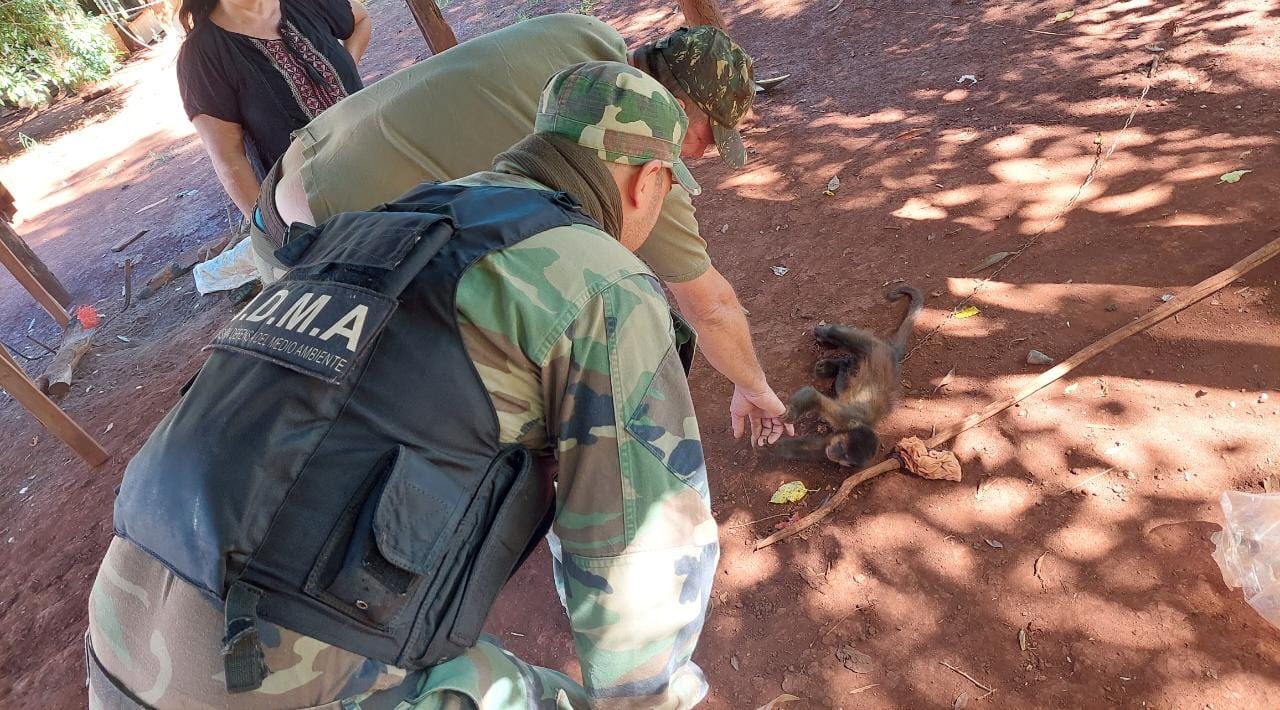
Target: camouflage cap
714, 71
620, 112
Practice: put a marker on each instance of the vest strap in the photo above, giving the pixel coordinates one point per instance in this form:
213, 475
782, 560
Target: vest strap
243, 660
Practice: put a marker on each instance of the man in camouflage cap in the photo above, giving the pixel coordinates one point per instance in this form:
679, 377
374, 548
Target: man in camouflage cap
448, 115
578, 351
704, 66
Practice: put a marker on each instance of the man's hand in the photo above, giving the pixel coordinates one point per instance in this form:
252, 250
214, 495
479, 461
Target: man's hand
764, 410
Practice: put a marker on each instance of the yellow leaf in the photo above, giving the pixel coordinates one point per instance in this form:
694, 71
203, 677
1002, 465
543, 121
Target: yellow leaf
967, 312
1234, 176
792, 492
1064, 16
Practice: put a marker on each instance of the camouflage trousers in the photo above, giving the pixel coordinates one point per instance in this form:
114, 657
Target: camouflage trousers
486, 677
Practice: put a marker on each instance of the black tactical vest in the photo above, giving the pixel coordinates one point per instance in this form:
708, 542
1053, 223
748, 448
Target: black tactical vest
335, 466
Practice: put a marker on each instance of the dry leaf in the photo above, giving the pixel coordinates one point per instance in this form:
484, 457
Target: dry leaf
1022, 638
792, 492
1064, 16
962, 702
967, 312
733, 661
833, 184
784, 698
779, 270
946, 380
1035, 566
913, 133
990, 261
110, 426
1233, 176
995, 543
855, 660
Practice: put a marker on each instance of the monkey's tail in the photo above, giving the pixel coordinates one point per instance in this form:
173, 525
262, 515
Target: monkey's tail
915, 304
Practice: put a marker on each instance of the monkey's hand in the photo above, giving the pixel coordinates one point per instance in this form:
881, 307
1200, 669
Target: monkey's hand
764, 411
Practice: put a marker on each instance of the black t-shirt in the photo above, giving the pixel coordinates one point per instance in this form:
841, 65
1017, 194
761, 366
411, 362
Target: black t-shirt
271, 87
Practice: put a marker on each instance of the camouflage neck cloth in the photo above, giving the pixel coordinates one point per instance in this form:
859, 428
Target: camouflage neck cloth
561, 164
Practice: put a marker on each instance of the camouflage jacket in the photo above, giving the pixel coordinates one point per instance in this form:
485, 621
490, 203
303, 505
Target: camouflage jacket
573, 339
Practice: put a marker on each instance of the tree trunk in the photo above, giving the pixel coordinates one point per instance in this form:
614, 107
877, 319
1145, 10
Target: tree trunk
431, 23
702, 12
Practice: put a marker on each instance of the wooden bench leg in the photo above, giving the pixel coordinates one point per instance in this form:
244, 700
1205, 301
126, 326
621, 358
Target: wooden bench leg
34, 276
14, 381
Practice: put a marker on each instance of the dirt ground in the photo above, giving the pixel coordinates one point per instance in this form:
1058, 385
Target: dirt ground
1072, 566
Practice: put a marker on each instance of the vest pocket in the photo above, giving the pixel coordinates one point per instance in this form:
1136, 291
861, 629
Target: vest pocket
388, 540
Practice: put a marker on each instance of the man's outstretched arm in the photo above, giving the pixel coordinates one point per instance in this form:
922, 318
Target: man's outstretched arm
711, 306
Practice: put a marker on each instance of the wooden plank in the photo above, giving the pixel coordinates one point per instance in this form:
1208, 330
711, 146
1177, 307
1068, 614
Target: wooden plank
431, 23
34, 276
14, 381
128, 240
7, 208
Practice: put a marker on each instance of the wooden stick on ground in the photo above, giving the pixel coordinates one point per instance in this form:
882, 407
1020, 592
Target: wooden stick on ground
128, 240
1183, 300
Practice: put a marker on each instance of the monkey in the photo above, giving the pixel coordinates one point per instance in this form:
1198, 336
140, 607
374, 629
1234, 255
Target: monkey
866, 388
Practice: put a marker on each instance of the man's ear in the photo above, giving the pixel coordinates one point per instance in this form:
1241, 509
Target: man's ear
641, 181
649, 177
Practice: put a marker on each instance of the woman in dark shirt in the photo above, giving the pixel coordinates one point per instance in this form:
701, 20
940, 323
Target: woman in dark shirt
252, 71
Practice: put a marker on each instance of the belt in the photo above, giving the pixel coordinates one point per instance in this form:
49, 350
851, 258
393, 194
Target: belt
265, 216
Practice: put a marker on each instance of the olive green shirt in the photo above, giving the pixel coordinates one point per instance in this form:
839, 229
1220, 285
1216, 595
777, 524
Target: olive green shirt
449, 115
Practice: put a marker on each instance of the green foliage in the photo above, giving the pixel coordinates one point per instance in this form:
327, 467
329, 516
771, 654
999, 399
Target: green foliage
48, 44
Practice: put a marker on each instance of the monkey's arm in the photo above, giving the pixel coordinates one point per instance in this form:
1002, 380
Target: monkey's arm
802, 448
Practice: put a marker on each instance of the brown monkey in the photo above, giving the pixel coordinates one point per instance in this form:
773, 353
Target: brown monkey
866, 389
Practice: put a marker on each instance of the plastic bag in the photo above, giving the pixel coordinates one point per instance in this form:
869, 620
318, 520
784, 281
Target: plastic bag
1248, 549
227, 270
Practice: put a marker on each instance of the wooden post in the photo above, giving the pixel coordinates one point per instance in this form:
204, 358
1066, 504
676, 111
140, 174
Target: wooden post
434, 28
34, 276
14, 381
702, 12
7, 208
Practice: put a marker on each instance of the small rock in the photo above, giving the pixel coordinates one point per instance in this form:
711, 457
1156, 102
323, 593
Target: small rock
859, 578
1232, 404
23, 490
733, 661
1166, 297
1262, 398
724, 228
1200, 393
1035, 357
1112, 308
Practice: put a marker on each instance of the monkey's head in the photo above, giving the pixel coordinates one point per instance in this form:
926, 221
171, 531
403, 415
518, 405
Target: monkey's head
854, 447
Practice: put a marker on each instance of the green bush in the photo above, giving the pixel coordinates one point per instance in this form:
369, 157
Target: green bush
48, 44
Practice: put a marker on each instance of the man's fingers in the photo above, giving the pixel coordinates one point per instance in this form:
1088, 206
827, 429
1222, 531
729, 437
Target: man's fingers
738, 425
755, 431
791, 430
